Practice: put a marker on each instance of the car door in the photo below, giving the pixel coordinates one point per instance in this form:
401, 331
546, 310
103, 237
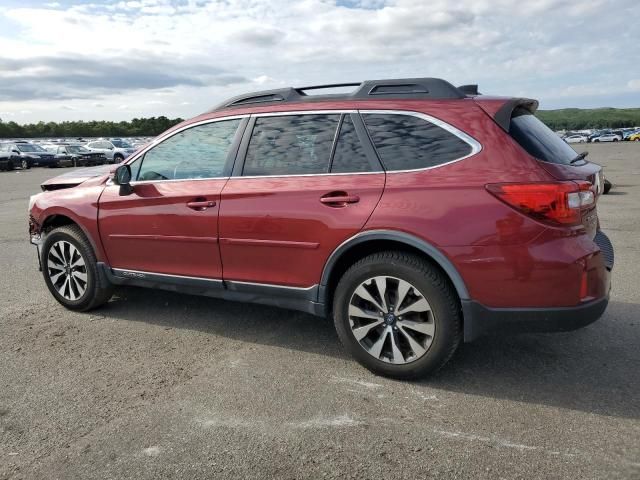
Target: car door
168, 225
307, 183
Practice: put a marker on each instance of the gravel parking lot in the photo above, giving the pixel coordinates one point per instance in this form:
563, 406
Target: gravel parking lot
162, 385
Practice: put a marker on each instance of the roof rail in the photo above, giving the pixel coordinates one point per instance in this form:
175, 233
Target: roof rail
403, 88
469, 89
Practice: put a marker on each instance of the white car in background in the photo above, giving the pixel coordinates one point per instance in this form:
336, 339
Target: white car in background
115, 150
576, 139
607, 137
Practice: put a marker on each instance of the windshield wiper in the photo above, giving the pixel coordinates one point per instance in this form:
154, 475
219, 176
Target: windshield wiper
579, 157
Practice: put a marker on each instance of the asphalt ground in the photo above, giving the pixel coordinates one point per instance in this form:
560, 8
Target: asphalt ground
162, 385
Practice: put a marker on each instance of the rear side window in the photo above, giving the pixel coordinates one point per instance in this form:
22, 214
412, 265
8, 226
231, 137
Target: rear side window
290, 145
405, 142
349, 155
538, 139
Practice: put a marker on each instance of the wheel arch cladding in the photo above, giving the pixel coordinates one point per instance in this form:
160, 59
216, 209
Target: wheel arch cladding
366, 243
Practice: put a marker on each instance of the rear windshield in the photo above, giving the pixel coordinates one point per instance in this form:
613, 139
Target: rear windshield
538, 139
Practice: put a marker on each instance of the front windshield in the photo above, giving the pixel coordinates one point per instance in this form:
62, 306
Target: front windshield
121, 144
29, 147
77, 149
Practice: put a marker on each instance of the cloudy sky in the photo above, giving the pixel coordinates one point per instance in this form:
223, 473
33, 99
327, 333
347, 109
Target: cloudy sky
71, 60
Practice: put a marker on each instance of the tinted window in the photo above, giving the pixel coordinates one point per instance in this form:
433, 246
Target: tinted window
538, 139
349, 155
291, 145
405, 142
26, 147
198, 152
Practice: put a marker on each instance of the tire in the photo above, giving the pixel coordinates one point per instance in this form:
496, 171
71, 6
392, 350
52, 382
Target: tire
10, 165
63, 240
615, 139
596, 141
636, 139
24, 164
426, 283
118, 158
607, 186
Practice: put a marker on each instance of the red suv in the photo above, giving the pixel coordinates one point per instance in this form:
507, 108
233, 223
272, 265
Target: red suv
416, 213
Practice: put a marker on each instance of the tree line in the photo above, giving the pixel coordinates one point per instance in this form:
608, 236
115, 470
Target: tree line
138, 127
567, 119
586, 118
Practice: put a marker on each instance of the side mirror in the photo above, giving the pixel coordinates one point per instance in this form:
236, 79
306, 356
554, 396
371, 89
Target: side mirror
122, 177
16, 151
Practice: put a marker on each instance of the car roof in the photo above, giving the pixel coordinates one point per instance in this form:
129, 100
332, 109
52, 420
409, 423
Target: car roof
391, 89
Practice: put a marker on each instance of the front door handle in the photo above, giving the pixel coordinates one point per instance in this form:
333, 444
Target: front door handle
339, 199
201, 204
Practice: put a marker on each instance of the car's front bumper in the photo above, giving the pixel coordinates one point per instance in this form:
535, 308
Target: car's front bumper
36, 239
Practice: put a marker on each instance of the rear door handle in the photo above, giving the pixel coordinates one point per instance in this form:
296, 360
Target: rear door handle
339, 199
201, 204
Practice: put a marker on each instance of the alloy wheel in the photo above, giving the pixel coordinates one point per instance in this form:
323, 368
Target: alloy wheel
391, 319
67, 270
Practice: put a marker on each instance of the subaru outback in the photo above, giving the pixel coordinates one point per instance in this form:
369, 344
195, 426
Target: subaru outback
416, 214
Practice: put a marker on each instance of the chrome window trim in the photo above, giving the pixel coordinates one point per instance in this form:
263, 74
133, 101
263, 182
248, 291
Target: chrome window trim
476, 147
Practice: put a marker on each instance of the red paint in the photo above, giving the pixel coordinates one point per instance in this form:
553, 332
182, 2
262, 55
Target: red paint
278, 230
289, 209
155, 230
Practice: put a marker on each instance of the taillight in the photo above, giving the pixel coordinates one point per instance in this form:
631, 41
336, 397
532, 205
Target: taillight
552, 202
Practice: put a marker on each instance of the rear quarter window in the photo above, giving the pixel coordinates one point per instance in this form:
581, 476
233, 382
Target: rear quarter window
407, 142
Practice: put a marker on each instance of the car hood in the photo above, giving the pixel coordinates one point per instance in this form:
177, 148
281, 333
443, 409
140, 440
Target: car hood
76, 177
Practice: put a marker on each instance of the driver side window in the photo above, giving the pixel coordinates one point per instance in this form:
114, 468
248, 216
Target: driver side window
197, 152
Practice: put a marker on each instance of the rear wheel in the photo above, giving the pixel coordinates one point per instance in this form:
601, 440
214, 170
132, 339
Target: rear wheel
70, 270
397, 315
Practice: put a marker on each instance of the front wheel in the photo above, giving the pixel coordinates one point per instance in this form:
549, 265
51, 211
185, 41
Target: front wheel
118, 158
397, 315
70, 270
24, 164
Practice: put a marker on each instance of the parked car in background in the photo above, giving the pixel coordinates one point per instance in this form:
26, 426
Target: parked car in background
115, 150
576, 139
634, 137
608, 137
8, 160
415, 214
28, 154
79, 155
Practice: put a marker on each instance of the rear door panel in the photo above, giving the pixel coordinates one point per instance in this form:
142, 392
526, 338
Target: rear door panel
277, 231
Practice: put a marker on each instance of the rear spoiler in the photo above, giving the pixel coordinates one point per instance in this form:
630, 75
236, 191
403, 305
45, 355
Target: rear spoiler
501, 110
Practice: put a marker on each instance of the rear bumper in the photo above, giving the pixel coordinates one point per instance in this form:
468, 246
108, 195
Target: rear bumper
480, 320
